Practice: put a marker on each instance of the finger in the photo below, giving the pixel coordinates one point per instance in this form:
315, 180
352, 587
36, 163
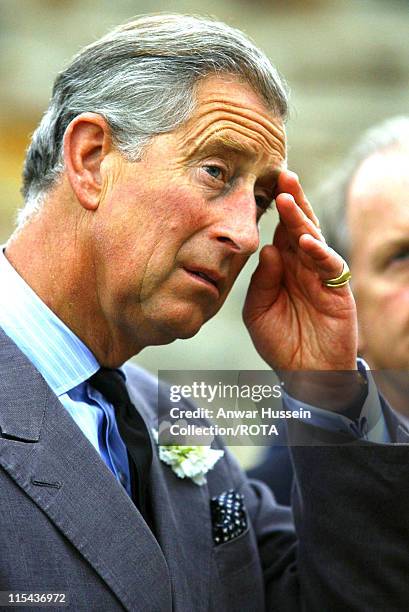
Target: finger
294, 220
327, 263
281, 239
265, 283
288, 182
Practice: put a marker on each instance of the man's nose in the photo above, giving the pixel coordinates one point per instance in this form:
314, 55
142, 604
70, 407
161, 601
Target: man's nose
237, 225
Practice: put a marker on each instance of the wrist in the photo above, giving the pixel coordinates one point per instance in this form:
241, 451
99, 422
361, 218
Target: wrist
341, 391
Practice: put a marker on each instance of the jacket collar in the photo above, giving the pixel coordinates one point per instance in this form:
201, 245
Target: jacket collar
20, 418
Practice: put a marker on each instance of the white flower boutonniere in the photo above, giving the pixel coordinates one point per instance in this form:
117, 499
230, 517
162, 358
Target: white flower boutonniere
189, 461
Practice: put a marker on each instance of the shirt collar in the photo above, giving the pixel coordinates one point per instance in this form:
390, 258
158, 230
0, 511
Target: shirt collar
58, 354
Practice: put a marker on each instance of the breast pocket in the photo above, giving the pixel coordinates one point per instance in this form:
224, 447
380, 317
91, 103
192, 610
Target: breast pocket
239, 570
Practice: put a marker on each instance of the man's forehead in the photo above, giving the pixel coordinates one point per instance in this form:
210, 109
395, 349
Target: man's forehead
382, 171
233, 117
378, 199
230, 141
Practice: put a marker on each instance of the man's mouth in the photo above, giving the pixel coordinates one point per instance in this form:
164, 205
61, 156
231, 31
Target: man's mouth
207, 277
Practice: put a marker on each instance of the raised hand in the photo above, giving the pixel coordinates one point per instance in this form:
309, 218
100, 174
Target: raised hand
295, 321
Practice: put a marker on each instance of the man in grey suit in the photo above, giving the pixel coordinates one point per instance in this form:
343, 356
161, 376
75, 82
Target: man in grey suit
162, 146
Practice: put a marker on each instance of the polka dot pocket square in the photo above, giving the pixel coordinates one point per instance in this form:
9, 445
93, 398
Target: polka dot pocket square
229, 519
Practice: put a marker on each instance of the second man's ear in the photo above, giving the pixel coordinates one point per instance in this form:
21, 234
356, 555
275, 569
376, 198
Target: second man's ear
87, 140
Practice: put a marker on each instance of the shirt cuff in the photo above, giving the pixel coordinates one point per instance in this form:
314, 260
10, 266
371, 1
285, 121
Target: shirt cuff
370, 425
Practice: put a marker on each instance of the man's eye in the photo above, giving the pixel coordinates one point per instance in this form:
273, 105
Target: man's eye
214, 171
263, 203
400, 256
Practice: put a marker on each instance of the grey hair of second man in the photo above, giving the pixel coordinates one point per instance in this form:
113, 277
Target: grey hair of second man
332, 198
141, 78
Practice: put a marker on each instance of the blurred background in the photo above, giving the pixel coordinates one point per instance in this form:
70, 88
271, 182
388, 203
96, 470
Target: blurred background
346, 62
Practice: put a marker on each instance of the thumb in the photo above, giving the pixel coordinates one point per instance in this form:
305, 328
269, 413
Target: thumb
265, 283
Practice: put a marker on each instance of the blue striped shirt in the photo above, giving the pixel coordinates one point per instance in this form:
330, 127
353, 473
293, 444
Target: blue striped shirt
65, 363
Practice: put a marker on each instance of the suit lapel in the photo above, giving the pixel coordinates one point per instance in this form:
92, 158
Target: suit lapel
47, 455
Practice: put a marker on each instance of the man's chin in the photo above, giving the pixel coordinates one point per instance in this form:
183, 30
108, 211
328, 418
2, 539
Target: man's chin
182, 325
168, 320
181, 331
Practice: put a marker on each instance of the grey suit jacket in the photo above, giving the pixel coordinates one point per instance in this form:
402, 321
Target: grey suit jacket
67, 525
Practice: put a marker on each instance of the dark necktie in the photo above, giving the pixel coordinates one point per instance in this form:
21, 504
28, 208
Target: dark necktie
132, 430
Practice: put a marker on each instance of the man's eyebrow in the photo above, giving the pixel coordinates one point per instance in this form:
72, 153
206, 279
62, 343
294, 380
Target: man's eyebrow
224, 143
390, 247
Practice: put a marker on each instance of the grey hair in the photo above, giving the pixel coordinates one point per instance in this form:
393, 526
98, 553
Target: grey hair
141, 78
332, 197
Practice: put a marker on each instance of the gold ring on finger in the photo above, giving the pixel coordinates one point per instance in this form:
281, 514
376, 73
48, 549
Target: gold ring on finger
341, 280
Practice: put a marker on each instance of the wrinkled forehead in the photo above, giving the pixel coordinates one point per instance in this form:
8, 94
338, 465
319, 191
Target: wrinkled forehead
231, 113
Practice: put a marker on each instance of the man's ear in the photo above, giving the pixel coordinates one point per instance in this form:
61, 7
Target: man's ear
87, 140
